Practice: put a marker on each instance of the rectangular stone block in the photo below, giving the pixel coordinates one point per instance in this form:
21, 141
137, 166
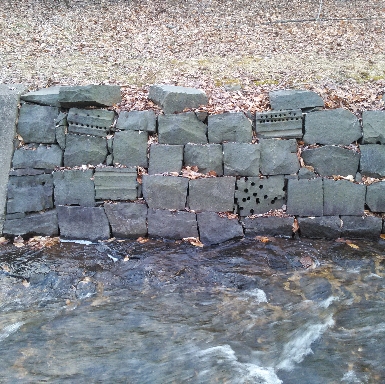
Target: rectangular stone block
116, 183
372, 162
241, 159
130, 148
268, 226
324, 227
358, 227
137, 121
46, 96
375, 196
373, 124
295, 99
229, 127
41, 157
165, 158
207, 157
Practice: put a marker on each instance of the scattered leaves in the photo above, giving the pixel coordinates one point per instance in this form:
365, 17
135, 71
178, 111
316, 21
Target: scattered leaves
18, 242
39, 242
193, 241
263, 239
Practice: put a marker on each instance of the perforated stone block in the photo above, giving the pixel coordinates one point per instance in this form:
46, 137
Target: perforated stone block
241, 159
269, 226
165, 158
208, 157
231, 127
130, 148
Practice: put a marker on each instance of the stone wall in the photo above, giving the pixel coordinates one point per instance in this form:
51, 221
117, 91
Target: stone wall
72, 167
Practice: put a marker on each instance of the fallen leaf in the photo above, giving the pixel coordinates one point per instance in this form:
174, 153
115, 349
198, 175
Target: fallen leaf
142, 240
306, 261
354, 246
26, 283
263, 239
193, 241
3, 241
295, 226
382, 235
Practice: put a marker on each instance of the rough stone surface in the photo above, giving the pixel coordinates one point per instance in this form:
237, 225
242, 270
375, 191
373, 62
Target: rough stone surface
279, 157
61, 129
43, 157
208, 157
214, 229
212, 194
305, 197
165, 158
373, 124
305, 173
181, 129
295, 99
241, 159
358, 227
130, 148
165, 192
172, 225
375, 196
342, 197
372, 162
86, 223
84, 150
174, 99
137, 121
127, 220
46, 96
269, 226
335, 127
37, 123
232, 127
330, 160
74, 187
324, 227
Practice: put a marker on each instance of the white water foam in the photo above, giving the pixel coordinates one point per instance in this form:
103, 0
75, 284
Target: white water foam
9, 329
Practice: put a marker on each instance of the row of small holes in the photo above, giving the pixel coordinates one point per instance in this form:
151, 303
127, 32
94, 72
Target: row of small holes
88, 126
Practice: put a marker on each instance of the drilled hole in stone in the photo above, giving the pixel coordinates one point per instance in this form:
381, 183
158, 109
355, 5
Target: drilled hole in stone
248, 198
252, 184
244, 199
255, 194
261, 186
246, 190
257, 200
265, 197
272, 201
252, 211
241, 208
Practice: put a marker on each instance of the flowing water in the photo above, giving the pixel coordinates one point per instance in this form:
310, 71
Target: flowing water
283, 311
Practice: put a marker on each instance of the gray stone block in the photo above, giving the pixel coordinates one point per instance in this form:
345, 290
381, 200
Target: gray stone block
174, 99
295, 99
137, 121
165, 158
127, 220
46, 96
207, 157
305, 173
373, 124
342, 197
358, 227
116, 183
181, 129
41, 157
165, 192
232, 127
279, 157
372, 162
324, 227
37, 123
279, 124
305, 197
269, 226
255, 195
241, 159
212, 194
84, 223
74, 187
330, 160
130, 148
61, 128
30, 193
89, 96
42, 224
334, 127
172, 225
214, 229
375, 196
81, 150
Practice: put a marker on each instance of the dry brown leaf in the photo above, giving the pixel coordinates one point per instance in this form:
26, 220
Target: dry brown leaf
354, 246
306, 261
193, 241
3, 241
295, 226
142, 240
382, 235
263, 239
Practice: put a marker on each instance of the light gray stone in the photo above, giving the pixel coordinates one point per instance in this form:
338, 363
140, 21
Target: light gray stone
41, 157
207, 157
241, 159
130, 148
61, 128
358, 227
165, 158
295, 99
305, 173
372, 162
269, 226
375, 196
137, 121
46, 96
373, 124
324, 227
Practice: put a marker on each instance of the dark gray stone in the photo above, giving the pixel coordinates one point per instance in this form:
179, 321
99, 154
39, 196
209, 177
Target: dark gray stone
46, 96
41, 157
358, 227
74, 187
89, 96
256, 195
372, 162
212, 194
127, 220
28, 172
84, 223
305, 197
334, 127
116, 183
137, 121
172, 225
214, 229
165, 192
181, 129
279, 157
61, 128
232, 127
375, 196
269, 226
241, 159
295, 99
330, 160
130, 148
316, 289
174, 99
373, 124
324, 227
165, 158
37, 123
305, 173
82, 150
42, 224
207, 157
342, 197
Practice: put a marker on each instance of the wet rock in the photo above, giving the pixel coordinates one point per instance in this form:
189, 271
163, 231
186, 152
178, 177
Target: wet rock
85, 288
324, 227
295, 99
373, 124
207, 157
241, 159
165, 158
41, 157
375, 196
367, 227
137, 121
130, 148
46, 96
316, 289
268, 226
372, 160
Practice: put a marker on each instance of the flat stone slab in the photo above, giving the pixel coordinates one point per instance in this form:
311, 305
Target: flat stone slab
84, 223
358, 227
130, 148
375, 196
165, 158
61, 127
46, 96
331, 160
165, 192
334, 127
137, 121
241, 159
214, 229
229, 127
41, 157
295, 99
172, 225
373, 124
324, 227
372, 162
127, 220
207, 157
269, 226
173, 99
